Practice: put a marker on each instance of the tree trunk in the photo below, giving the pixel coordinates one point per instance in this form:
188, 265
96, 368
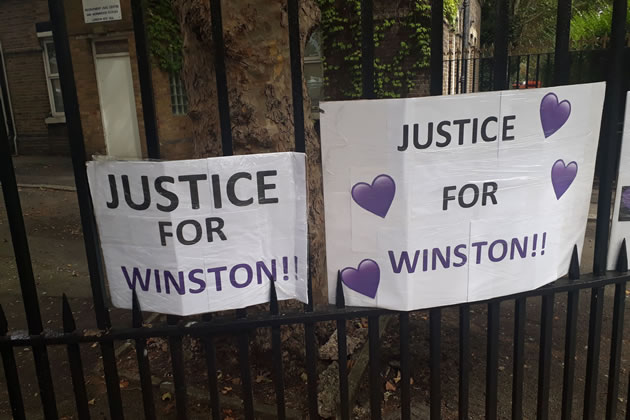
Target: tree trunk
259, 84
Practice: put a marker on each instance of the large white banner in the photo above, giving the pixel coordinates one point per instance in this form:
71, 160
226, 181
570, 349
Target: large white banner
196, 236
437, 201
621, 214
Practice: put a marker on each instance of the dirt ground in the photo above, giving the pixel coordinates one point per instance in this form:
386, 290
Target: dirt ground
60, 267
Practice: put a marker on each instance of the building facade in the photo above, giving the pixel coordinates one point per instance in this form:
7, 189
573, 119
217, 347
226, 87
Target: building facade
106, 76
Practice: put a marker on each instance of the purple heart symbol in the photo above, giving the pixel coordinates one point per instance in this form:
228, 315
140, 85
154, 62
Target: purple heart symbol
363, 280
562, 176
553, 114
625, 198
375, 198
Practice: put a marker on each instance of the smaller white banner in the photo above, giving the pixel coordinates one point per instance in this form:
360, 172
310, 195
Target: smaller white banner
95, 11
195, 236
621, 215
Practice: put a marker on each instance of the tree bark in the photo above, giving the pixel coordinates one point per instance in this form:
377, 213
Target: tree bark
257, 61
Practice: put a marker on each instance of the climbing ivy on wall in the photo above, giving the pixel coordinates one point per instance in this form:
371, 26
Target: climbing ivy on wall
450, 10
402, 47
164, 35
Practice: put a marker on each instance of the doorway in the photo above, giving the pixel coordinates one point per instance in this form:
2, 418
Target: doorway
117, 99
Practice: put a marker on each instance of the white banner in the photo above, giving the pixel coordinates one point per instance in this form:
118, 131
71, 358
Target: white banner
438, 201
621, 214
95, 11
195, 236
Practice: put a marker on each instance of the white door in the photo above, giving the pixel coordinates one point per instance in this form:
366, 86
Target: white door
118, 105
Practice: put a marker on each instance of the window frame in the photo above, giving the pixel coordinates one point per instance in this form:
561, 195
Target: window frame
178, 90
49, 77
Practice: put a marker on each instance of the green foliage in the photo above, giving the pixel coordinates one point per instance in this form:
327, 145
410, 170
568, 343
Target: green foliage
591, 27
394, 76
533, 24
450, 10
165, 41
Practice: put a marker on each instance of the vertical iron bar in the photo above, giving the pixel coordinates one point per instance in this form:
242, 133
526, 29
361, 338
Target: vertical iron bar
311, 353
492, 360
563, 27
146, 80
544, 359
25, 272
142, 357
474, 75
501, 45
518, 72
520, 317
222, 87
592, 357
405, 368
569, 339
376, 386
527, 72
537, 69
464, 360
296, 75
10, 371
608, 142
457, 74
276, 350
367, 48
569, 354
88, 225
342, 353
450, 76
76, 365
246, 375
179, 374
437, 47
435, 353
481, 75
615, 351
549, 70
211, 363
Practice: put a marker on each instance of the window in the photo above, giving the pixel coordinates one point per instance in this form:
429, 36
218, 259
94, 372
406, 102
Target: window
314, 71
52, 78
179, 98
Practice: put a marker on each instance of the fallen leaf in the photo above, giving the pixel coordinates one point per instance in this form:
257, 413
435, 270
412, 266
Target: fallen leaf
92, 401
236, 381
410, 381
397, 378
166, 396
390, 386
226, 389
124, 384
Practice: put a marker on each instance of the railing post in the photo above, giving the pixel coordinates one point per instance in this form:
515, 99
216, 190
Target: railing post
563, 27
501, 45
146, 80
609, 144
90, 235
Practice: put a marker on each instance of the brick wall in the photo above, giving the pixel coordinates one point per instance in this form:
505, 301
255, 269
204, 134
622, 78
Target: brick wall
174, 131
29, 91
453, 50
26, 77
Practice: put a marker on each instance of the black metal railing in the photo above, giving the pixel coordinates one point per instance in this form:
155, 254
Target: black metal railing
494, 74
528, 71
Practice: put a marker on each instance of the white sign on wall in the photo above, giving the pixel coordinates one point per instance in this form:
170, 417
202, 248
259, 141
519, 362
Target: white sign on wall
95, 11
195, 236
621, 214
437, 201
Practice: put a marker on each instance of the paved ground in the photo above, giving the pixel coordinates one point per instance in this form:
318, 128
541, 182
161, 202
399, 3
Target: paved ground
52, 219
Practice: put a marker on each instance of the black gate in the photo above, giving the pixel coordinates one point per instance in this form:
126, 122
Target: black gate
242, 324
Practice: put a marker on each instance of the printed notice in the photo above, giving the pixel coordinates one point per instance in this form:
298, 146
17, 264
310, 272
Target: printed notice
95, 11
